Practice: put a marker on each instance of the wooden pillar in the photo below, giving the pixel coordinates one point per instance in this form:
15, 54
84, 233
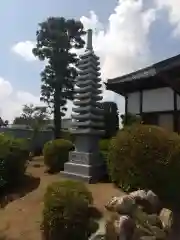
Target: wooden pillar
126, 108
175, 114
141, 105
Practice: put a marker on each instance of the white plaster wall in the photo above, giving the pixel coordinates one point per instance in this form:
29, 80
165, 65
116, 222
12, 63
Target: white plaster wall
166, 121
133, 103
160, 99
178, 102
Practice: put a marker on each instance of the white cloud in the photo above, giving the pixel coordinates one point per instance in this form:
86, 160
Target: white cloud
11, 102
173, 8
24, 49
123, 46
5, 89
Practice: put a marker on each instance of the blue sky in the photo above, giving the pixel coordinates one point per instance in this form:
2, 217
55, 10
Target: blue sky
133, 36
20, 20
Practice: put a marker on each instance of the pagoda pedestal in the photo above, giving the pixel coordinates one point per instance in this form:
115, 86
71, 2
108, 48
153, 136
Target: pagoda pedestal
86, 162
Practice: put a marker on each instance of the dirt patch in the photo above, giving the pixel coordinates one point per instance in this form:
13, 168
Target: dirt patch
20, 219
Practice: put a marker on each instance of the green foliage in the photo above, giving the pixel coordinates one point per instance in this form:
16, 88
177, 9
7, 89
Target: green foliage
56, 37
146, 157
13, 159
67, 136
3, 123
104, 145
111, 118
104, 148
66, 213
130, 119
35, 118
56, 153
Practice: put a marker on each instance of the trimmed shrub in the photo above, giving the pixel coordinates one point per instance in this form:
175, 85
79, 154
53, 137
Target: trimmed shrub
146, 157
66, 213
56, 153
67, 136
13, 160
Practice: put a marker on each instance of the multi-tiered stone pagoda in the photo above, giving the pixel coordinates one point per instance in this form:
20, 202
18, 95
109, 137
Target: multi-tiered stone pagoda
87, 120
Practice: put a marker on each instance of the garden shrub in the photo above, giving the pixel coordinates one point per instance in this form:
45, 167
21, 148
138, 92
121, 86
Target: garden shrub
67, 136
13, 160
66, 211
146, 157
104, 144
56, 153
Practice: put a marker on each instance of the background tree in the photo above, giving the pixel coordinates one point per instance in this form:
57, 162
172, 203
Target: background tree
3, 123
35, 118
56, 37
130, 119
111, 118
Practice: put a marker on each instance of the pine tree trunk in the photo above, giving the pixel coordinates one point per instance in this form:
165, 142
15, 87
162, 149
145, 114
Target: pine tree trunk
57, 114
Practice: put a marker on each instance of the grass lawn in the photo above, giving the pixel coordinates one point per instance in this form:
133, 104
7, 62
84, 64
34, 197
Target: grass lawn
20, 216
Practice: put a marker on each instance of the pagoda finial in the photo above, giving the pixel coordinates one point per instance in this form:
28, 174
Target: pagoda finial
89, 39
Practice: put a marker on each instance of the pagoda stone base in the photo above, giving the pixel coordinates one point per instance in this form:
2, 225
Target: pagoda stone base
88, 167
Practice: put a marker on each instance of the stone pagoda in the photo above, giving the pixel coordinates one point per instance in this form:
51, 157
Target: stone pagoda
85, 163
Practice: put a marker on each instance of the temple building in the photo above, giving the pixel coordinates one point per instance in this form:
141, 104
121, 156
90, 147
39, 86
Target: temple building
152, 93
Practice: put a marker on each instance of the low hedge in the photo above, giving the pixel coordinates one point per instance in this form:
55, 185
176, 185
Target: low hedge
56, 153
13, 161
66, 211
146, 157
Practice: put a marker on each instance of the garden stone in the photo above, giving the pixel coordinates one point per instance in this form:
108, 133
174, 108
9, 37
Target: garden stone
147, 199
129, 221
139, 195
123, 205
153, 199
124, 227
166, 217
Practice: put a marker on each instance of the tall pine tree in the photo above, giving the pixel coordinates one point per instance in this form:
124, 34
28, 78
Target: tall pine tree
56, 37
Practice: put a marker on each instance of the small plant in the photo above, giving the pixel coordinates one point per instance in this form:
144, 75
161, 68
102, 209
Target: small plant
56, 153
66, 212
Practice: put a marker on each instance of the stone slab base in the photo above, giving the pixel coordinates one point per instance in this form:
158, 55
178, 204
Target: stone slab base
85, 167
77, 177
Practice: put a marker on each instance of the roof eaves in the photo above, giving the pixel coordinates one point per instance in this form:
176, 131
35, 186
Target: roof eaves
150, 71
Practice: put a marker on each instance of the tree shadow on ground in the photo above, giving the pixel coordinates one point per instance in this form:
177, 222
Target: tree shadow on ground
36, 165
28, 184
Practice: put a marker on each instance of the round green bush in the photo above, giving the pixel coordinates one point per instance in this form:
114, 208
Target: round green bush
146, 157
56, 153
66, 211
13, 161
